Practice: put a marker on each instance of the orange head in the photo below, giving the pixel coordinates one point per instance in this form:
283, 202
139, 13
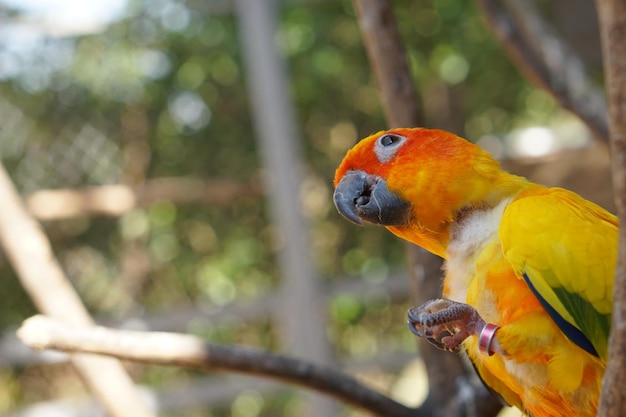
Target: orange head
416, 182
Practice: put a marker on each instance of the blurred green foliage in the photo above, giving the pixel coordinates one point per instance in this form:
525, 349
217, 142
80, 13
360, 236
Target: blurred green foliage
162, 93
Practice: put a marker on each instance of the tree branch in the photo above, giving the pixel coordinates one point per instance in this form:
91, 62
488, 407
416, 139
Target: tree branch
172, 349
389, 63
546, 60
29, 251
116, 200
612, 18
446, 372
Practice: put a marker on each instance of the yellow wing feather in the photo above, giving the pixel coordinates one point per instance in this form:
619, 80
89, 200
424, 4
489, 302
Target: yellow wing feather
565, 247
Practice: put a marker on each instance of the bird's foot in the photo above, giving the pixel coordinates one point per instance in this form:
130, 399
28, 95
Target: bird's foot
446, 324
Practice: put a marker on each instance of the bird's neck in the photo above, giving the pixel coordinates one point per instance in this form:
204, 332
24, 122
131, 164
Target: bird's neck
433, 231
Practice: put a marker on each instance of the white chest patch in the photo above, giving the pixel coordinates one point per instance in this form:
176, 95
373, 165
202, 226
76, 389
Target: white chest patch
468, 237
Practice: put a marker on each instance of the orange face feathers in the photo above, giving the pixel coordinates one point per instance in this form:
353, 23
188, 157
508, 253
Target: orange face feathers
383, 150
428, 175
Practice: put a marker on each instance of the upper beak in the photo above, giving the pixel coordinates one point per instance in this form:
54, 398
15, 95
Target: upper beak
363, 197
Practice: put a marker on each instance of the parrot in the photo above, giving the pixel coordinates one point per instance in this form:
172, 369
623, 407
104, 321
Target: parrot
528, 270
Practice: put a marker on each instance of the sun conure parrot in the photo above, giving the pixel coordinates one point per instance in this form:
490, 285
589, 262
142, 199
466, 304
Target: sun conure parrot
528, 284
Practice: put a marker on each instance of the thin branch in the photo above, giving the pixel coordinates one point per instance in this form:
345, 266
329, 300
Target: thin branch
172, 349
116, 200
612, 18
30, 254
389, 62
546, 60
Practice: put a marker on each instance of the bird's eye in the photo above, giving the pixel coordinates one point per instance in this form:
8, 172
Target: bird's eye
387, 145
389, 140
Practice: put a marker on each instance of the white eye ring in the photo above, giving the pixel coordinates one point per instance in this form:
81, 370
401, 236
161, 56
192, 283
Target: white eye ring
387, 145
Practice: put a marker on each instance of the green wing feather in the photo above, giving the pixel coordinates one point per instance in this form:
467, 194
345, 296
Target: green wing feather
565, 247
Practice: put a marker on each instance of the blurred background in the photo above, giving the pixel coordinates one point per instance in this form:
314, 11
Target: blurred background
144, 135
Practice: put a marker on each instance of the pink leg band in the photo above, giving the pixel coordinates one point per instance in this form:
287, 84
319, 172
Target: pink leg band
486, 338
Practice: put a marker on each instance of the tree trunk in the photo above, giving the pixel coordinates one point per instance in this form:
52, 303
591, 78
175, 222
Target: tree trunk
612, 18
